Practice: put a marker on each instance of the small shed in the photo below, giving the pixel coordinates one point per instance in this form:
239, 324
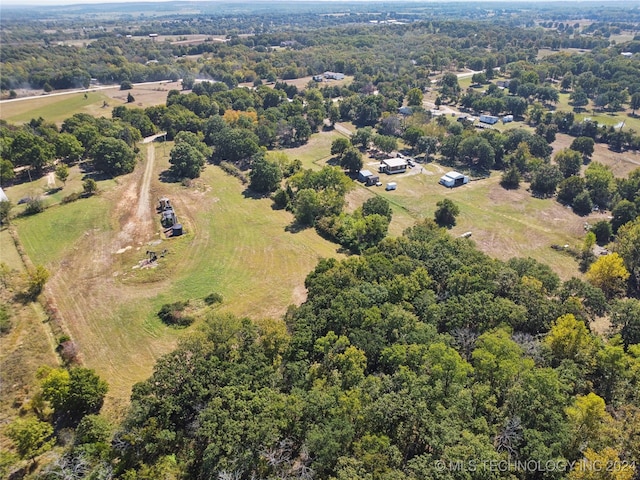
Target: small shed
363, 175
176, 230
507, 119
393, 165
453, 179
3, 196
391, 186
405, 110
372, 180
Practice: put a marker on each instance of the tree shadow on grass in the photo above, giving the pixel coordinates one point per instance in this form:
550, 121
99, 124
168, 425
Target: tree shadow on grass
167, 177
250, 194
296, 227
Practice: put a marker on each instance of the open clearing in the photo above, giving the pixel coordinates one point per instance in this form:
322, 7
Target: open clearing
235, 244
99, 103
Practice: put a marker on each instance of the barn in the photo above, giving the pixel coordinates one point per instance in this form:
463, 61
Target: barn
453, 179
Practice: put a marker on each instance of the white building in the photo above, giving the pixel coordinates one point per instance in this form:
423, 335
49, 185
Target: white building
453, 179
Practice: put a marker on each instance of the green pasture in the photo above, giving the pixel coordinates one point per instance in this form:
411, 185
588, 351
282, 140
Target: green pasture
50, 235
503, 223
54, 108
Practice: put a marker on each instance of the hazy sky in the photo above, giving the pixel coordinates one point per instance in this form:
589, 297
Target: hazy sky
76, 2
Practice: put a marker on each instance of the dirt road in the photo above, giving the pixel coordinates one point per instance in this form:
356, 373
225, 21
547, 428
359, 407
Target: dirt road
143, 212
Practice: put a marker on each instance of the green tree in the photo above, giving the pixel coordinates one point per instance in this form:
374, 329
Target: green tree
306, 206
477, 152
386, 143
569, 189
186, 161
73, 393
265, 176
113, 156
449, 87
627, 245
609, 274
62, 173
351, 160
569, 162
634, 103
130, 98
362, 137
6, 171
603, 231
414, 97
377, 205
600, 183
339, 145
625, 320
31, 437
624, 211
582, 204
446, 213
92, 429
584, 145
511, 178
545, 180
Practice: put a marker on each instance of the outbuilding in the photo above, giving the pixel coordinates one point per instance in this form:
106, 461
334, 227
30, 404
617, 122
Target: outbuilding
453, 179
393, 165
372, 180
363, 175
489, 119
507, 119
3, 196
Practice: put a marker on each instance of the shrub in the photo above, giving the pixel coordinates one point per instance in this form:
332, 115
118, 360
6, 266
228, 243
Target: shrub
89, 186
174, 314
126, 85
213, 298
34, 205
71, 197
235, 171
5, 320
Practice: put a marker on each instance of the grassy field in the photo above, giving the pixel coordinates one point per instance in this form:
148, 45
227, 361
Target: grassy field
28, 345
235, 245
99, 103
49, 235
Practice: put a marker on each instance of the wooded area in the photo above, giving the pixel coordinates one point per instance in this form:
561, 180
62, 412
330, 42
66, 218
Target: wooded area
412, 357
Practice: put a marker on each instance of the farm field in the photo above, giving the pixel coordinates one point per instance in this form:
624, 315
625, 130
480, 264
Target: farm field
59, 106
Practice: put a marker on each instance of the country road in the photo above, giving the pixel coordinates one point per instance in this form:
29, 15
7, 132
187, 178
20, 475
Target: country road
144, 212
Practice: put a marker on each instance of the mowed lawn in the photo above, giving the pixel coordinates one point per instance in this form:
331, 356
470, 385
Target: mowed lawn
99, 103
55, 108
